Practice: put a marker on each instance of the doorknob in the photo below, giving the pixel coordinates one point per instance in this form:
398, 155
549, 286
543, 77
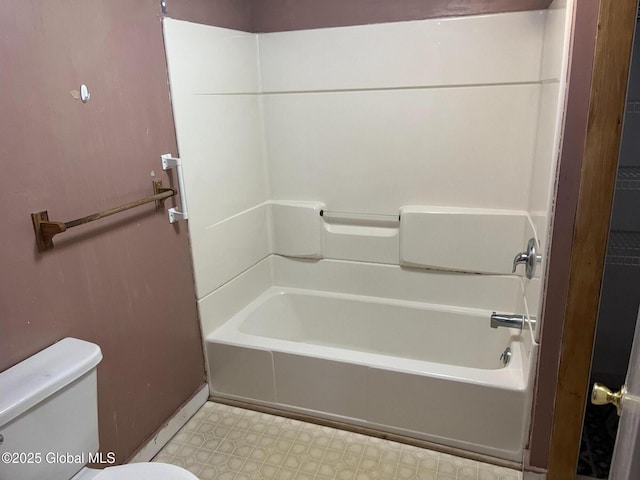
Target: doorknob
601, 395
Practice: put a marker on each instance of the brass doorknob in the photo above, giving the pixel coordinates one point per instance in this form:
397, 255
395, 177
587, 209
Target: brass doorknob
601, 395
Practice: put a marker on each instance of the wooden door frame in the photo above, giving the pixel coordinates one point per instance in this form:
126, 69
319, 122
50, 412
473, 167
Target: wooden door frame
616, 23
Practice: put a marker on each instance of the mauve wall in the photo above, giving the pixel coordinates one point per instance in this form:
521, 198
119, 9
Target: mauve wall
125, 282
280, 15
234, 14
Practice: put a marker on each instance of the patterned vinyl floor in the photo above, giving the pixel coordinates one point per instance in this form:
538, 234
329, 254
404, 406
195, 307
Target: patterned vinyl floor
229, 443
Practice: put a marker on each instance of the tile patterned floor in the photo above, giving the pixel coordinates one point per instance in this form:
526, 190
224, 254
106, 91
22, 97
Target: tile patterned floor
228, 443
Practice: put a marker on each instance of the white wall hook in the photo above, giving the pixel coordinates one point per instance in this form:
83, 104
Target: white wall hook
84, 93
169, 162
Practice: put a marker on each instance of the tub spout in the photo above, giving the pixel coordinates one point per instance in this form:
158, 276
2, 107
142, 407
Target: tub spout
504, 320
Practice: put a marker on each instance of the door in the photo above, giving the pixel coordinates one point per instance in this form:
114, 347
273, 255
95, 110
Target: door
600, 141
626, 461
626, 458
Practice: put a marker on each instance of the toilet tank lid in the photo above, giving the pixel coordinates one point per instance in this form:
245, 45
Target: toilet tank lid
29, 382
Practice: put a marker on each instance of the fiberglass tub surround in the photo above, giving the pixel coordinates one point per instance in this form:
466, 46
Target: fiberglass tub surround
357, 196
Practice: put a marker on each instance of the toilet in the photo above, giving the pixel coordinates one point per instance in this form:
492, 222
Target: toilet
49, 420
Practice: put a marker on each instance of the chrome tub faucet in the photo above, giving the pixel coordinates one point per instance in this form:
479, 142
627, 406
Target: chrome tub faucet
509, 321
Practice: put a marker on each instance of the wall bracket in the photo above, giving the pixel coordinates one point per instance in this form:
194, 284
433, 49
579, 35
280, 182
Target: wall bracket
169, 162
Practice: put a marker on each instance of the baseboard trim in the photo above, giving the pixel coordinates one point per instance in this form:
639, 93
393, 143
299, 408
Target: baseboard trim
162, 436
534, 476
531, 472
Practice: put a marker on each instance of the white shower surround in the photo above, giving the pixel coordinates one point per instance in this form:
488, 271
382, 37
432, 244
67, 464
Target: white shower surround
311, 116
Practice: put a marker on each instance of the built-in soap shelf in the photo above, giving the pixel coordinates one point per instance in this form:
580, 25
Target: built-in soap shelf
624, 248
363, 237
462, 239
363, 224
359, 218
444, 238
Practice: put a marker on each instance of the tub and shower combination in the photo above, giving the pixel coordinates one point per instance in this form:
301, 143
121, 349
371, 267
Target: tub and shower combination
356, 199
318, 338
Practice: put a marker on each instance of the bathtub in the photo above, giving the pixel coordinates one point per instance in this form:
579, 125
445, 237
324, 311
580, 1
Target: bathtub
419, 369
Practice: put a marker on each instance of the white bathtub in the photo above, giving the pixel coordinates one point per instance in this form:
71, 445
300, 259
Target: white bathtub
419, 369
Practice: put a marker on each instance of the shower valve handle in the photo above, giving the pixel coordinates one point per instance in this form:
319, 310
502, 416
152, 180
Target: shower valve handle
530, 258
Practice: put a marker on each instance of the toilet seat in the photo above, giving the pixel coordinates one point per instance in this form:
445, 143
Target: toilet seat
145, 471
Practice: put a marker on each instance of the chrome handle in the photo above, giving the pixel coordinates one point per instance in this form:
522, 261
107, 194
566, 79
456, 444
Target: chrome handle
530, 258
519, 258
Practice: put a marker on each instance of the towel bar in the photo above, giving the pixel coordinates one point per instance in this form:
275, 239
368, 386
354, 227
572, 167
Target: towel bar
45, 229
349, 217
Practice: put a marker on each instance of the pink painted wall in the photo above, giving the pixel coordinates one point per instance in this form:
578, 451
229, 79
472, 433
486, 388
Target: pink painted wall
281, 15
234, 14
124, 282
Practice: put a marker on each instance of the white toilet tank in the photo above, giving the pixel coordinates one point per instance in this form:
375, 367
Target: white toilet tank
49, 412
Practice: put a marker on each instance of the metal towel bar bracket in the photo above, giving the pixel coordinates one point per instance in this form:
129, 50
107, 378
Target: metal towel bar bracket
45, 229
170, 162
